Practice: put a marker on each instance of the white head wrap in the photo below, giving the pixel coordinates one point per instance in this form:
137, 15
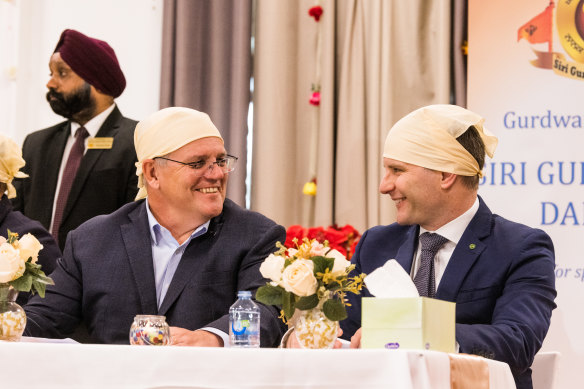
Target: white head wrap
10, 163
166, 131
427, 137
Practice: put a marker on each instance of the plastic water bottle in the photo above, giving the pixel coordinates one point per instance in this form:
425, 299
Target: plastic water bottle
244, 321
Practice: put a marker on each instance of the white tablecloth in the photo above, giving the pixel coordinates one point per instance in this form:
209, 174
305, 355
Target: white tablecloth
42, 365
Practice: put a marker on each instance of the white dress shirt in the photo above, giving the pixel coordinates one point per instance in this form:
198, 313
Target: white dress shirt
453, 232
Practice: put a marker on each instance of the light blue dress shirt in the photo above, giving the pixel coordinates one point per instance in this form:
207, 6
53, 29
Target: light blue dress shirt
166, 255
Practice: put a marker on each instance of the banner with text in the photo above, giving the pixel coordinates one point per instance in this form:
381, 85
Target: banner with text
526, 77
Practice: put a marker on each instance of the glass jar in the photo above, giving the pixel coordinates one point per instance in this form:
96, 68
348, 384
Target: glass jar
149, 330
12, 316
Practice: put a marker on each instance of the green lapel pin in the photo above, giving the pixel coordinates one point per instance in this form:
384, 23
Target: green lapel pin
472, 246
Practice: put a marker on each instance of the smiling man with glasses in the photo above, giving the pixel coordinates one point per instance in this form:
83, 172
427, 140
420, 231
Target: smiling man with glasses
182, 250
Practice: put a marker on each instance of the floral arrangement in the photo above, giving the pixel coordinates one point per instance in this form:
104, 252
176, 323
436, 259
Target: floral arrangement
18, 264
310, 275
343, 239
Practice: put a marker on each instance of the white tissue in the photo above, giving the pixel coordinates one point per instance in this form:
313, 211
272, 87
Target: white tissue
391, 280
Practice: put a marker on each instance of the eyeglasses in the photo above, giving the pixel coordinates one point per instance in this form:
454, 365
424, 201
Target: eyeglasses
226, 164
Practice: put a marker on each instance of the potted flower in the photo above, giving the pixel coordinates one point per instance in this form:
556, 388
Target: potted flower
19, 272
309, 283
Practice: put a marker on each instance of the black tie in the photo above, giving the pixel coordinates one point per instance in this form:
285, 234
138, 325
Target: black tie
425, 279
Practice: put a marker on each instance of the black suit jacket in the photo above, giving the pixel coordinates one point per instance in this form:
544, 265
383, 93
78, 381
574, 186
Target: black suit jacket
105, 181
106, 277
17, 222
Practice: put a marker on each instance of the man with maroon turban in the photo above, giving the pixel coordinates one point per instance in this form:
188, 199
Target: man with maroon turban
84, 166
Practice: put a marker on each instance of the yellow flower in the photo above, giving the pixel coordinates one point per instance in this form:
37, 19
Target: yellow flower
309, 189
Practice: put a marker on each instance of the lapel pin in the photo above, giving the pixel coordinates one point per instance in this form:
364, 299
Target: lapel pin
472, 246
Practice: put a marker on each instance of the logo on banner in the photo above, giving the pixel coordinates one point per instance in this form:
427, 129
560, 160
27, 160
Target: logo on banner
570, 26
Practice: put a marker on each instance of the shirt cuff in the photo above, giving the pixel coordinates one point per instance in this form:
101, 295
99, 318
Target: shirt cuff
219, 333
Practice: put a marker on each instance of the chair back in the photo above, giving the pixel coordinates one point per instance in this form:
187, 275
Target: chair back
545, 370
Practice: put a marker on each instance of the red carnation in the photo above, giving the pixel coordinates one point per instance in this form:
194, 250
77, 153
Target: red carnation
335, 237
315, 98
315, 12
297, 232
316, 233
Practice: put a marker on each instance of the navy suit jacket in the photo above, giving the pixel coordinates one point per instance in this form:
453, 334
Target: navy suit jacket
17, 222
106, 277
105, 181
500, 275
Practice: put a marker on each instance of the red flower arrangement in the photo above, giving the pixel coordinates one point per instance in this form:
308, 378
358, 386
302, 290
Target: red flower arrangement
343, 239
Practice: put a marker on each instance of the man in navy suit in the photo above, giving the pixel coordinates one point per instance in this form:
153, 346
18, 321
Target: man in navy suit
499, 273
182, 250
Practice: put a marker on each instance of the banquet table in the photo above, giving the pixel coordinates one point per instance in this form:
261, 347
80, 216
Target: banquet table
58, 365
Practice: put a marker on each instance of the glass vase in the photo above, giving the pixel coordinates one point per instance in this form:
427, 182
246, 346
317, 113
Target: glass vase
12, 316
314, 330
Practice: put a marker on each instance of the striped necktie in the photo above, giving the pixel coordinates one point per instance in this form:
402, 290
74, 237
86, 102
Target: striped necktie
425, 279
69, 174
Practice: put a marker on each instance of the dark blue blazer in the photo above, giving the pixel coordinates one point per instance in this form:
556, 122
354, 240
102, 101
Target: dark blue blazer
501, 277
106, 277
17, 222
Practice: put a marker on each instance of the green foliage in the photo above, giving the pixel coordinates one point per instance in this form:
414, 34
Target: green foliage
307, 302
288, 304
334, 310
321, 264
269, 295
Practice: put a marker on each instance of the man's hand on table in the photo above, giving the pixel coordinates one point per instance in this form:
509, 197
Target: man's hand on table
356, 339
198, 338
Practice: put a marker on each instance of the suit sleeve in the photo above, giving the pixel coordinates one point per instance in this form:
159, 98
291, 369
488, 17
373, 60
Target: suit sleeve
353, 321
522, 313
250, 278
48, 256
59, 313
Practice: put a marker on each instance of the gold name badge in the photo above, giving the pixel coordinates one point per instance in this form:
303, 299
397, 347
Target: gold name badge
100, 143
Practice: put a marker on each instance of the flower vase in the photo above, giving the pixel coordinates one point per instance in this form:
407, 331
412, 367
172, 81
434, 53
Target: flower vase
314, 330
12, 316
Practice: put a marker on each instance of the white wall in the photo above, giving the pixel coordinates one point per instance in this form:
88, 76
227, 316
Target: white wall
29, 31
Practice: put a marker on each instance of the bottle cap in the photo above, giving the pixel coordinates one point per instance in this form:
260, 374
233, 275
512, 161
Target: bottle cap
244, 293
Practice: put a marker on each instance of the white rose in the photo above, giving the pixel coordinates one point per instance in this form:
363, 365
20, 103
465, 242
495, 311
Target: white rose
272, 267
341, 262
29, 247
299, 279
11, 265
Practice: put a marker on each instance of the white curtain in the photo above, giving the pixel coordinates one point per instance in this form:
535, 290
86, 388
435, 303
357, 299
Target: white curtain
380, 60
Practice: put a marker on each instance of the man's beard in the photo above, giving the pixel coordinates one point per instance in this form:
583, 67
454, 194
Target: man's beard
78, 106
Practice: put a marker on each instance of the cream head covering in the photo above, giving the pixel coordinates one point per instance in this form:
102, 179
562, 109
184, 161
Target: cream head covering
427, 137
10, 163
166, 131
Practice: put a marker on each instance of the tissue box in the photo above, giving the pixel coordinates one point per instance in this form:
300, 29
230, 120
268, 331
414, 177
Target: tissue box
408, 323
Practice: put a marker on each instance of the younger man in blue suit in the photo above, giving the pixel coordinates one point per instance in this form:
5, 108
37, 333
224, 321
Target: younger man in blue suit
182, 250
499, 273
